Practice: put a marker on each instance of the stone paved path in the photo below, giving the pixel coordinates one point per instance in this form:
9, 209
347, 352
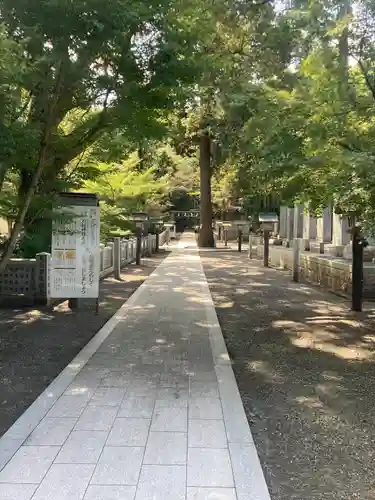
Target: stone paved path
154, 413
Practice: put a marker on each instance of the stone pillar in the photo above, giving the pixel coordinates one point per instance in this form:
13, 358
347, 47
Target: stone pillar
283, 222
309, 227
298, 221
340, 226
42, 278
308, 230
295, 260
324, 226
102, 247
110, 245
289, 225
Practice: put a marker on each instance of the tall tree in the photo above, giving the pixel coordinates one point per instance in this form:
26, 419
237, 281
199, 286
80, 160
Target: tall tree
113, 64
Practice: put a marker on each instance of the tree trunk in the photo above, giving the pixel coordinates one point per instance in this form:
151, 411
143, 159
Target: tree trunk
35, 178
3, 171
206, 235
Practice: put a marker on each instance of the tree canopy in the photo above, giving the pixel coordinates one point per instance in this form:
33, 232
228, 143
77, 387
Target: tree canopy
137, 100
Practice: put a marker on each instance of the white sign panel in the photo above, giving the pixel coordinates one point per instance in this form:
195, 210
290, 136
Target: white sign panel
75, 249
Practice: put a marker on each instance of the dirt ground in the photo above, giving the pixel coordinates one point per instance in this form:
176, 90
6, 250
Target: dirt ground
305, 368
36, 344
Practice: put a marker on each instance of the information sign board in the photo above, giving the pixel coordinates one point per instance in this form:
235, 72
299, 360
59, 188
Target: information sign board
75, 253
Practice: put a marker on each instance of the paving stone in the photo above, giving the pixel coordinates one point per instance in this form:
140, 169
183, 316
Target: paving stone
118, 466
96, 418
82, 447
158, 482
203, 376
8, 447
172, 397
110, 493
169, 419
137, 407
166, 448
65, 482
204, 389
205, 408
207, 434
29, 464
108, 396
68, 406
51, 431
17, 491
116, 379
129, 432
211, 494
174, 380
209, 467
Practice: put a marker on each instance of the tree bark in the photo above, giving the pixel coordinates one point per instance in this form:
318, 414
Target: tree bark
206, 235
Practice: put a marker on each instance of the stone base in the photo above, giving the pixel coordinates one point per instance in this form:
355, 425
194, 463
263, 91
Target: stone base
304, 245
287, 243
317, 247
276, 241
334, 250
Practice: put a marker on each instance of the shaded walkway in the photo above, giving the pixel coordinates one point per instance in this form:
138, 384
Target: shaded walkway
30, 336
155, 413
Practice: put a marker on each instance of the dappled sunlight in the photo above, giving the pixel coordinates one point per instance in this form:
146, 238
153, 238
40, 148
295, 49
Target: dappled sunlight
308, 337
199, 300
266, 370
310, 401
29, 317
225, 305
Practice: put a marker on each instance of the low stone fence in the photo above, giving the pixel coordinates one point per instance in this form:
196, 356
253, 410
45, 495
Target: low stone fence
25, 282
333, 273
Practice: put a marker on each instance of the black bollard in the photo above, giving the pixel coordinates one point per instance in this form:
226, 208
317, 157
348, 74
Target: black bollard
358, 244
239, 240
266, 236
226, 237
157, 241
138, 249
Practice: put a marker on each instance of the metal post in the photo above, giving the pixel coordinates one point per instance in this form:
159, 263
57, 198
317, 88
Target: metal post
157, 241
226, 237
250, 245
73, 304
266, 235
239, 240
117, 258
138, 250
295, 260
357, 270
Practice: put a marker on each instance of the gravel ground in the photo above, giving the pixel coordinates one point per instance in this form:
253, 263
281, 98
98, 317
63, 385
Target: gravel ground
36, 344
304, 364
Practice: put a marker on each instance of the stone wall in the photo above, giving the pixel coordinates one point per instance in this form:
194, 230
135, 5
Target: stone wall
333, 273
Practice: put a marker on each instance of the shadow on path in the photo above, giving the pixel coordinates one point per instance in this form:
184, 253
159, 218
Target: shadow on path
37, 344
305, 368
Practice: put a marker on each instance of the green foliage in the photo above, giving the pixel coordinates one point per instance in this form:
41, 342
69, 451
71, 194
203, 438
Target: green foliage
74, 74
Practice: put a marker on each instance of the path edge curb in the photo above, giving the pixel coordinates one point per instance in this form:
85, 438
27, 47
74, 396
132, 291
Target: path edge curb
247, 470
